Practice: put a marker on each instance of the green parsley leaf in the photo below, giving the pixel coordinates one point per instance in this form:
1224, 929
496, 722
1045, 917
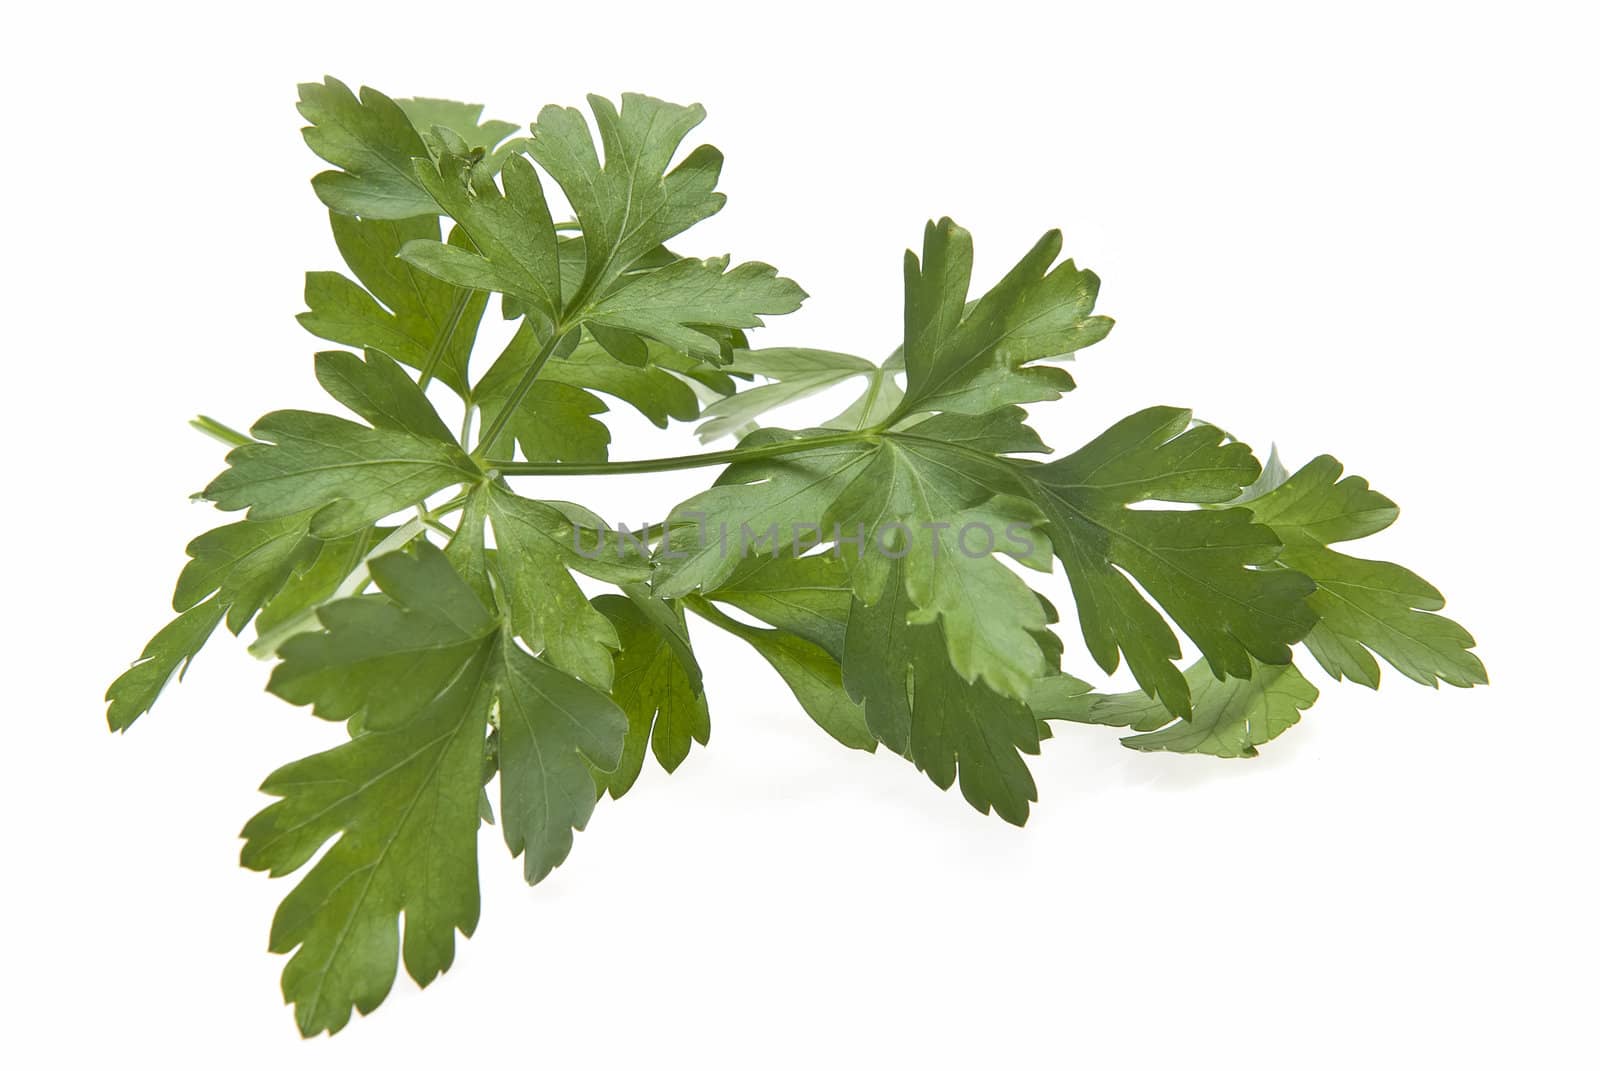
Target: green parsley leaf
373, 142
408, 314
1202, 566
547, 608
1363, 607
553, 728
809, 596
658, 686
970, 360
244, 564
465, 120
1231, 718
512, 234
674, 304
166, 656
659, 389
380, 392
350, 474
401, 797
794, 374
633, 204
922, 708
422, 666
451, 624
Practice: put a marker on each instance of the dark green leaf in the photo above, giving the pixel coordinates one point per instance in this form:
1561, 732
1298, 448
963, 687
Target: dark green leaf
552, 728
920, 707
657, 684
970, 360
1204, 567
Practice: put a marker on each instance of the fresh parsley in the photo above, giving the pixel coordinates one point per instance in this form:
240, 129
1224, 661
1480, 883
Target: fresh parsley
407, 590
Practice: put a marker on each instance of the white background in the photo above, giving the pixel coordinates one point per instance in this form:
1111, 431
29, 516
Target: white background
1369, 230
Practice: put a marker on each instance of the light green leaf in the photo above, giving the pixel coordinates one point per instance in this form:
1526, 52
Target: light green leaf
512, 234
633, 204
350, 474
166, 656
548, 609
878, 401
409, 315
401, 797
380, 392
245, 564
1231, 718
793, 373
673, 304
465, 120
418, 669
373, 143
1363, 607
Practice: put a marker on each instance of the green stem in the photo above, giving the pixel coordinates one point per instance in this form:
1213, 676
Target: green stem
524, 385
449, 507
708, 610
220, 431
435, 524
441, 342
682, 461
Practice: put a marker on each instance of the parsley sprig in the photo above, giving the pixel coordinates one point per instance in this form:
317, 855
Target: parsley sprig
408, 591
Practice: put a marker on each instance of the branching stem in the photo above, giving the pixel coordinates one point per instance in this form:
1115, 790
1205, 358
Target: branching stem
682, 461
524, 385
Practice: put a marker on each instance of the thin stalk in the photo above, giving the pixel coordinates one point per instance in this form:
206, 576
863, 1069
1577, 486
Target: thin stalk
219, 431
524, 385
435, 524
449, 507
682, 461
708, 610
441, 342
